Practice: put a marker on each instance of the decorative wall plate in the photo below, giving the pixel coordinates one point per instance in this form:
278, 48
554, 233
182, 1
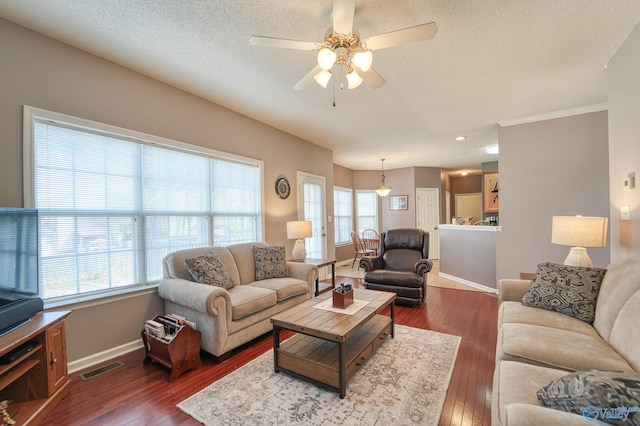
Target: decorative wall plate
283, 189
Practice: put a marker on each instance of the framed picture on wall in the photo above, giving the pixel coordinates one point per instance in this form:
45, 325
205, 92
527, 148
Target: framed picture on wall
491, 190
399, 202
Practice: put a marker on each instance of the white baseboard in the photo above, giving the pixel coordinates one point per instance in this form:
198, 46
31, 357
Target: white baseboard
469, 283
100, 357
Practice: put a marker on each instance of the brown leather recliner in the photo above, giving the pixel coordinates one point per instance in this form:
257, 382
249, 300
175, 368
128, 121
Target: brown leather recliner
401, 266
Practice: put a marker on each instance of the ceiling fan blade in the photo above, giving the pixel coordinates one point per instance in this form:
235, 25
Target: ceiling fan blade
307, 79
343, 11
282, 42
371, 78
405, 36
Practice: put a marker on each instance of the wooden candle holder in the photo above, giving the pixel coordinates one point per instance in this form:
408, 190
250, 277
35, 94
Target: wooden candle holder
342, 300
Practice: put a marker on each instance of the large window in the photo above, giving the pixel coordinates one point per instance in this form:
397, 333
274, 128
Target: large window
113, 203
367, 209
342, 214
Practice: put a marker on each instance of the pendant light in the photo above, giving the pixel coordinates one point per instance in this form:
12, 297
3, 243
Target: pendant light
383, 190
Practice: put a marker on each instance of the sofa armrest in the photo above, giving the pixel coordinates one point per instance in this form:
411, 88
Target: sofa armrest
200, 297
512, 289
305, 272
371, 263
423, 266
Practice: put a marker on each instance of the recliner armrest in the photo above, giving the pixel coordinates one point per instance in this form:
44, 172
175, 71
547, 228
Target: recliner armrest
423, 266
371, 263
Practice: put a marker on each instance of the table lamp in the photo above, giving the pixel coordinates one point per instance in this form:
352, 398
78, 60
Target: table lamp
579, 232
298, 230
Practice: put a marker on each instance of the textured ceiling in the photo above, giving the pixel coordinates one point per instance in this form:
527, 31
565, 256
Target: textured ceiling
492, 61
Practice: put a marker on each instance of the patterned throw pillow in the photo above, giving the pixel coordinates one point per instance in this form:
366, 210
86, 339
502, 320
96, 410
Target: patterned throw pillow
570, 290
271, 262
208, 269
609, 396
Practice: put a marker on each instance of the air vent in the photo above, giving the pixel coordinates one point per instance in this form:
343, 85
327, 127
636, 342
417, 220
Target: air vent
93, 373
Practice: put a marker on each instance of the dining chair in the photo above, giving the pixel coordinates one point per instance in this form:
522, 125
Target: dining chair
371, 240
360, 249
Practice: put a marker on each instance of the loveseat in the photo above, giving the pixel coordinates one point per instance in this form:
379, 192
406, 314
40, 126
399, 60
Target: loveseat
538, 346
228, 318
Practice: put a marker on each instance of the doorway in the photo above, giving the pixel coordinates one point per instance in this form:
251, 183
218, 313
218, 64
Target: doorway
312, 207
428, 217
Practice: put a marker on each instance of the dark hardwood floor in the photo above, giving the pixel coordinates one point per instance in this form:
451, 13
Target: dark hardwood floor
138, 394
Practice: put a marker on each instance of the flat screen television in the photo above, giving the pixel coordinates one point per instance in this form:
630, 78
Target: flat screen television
19, 285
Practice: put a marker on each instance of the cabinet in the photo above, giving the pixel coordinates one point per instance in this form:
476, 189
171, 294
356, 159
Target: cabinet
35, 381
181, 354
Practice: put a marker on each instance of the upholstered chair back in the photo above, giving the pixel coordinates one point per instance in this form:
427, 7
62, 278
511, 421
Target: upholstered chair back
400, 249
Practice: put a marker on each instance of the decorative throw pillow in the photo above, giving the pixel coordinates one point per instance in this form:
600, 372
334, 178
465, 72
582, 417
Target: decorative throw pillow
271, 262
208, 269
570, 290
609, 396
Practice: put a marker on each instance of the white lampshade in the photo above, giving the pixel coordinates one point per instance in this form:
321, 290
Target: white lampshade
580, 232
322, 78
354, 80
363, 60
298, 230
326, 58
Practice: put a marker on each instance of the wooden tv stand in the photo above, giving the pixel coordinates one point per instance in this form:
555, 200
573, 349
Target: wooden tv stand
37, 380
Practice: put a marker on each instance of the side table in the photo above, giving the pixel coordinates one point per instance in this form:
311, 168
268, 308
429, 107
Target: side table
320, 263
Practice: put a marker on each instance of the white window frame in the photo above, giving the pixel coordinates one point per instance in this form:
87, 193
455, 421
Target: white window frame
360, 228
336, 217
31, 114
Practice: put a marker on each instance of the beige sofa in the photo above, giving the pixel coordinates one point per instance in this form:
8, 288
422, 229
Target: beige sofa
536, 346
230, 318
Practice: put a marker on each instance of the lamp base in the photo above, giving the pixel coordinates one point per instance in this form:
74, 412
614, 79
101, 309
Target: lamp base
299, 252
578, 257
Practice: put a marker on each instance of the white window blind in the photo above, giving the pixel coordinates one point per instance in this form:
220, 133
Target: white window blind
367, 210
111, 207
343, 214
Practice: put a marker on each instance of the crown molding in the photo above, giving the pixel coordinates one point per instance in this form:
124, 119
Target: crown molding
556, 114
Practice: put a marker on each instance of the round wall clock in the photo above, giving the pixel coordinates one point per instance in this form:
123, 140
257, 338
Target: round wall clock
283, 189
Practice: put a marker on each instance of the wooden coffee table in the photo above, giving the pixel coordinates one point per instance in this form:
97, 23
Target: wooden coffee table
330, 346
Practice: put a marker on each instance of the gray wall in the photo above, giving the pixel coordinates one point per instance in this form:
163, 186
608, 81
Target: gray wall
549, 168
45, 73
623, 74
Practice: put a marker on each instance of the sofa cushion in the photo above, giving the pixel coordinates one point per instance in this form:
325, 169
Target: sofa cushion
557, 348
516, 312
570, 290
247, 299
284, 287
514, 399
271, 262
396, 278
588, 392
208, 269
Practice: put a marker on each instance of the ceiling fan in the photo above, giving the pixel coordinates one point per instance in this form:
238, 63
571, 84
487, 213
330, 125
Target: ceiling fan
343, 50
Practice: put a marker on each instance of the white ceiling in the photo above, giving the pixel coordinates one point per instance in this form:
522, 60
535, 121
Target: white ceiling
492, 61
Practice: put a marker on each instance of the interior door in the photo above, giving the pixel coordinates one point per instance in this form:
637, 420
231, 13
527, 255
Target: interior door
312, 207
428, 217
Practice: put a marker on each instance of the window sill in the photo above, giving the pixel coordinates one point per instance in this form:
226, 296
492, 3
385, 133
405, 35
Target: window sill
87, 301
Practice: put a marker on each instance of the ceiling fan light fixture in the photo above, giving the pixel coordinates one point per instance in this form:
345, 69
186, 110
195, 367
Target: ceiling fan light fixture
326, 58
353, 79
322, 78
363, 60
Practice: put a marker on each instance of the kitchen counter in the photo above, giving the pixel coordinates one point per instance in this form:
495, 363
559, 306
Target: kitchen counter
468, 255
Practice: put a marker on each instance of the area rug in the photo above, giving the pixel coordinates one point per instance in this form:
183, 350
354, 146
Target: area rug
404, 383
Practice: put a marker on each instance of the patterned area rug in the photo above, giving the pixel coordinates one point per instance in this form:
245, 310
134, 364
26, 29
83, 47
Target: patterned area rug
404, 383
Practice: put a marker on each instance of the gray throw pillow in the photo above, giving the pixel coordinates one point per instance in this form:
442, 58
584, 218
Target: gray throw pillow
271, 262
569, 290
208, 269
609, 396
